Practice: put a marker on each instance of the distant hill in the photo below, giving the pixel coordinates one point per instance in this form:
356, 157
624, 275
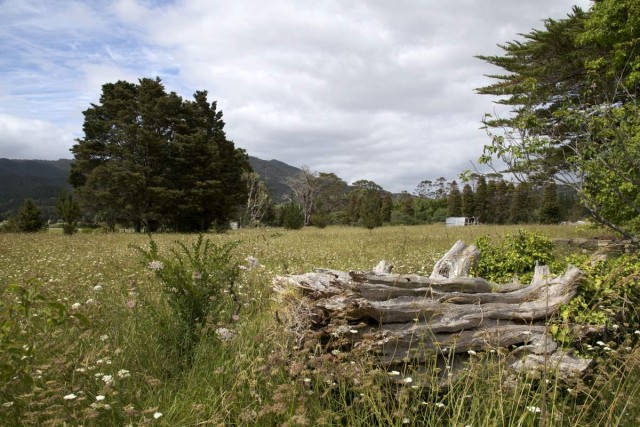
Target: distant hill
275, 173
42, 180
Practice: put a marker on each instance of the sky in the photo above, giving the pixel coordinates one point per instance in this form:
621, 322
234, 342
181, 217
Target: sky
381, 90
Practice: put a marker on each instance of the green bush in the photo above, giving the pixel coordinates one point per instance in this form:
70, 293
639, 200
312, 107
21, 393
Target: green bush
609, 295
292, 217
516, 256
25, 314
199, 284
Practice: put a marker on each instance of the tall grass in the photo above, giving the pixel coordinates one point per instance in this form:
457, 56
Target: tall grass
117, 371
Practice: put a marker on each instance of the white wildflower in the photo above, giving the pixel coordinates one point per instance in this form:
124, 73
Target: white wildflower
533, 409
7, 404
335, 352
224, 334
156, 265
471, 352
97, 288
75, 305
406, 421
90, 301
157, 415
104, 337
601, 344
353, 331
108, 379
252, 262
70, 396
124, 373
394, 373
407, 380
439, 405
100, 397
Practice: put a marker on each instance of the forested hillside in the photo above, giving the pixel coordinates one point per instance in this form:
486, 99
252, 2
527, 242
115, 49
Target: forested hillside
42, 180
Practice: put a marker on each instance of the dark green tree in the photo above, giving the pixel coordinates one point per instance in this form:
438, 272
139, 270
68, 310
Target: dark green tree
481, 200
490, 209
573, 87
370, 209
468, 201
520, 210
387, 207
549, 206
454, 201
151, 159
29, 218
68, 211
292, 216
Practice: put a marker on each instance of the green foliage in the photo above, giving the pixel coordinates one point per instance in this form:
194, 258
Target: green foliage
516, 255
24, 313
454, 201
573, 87
29, 218
69, 212
199, 283
292, 216
152, 160
608, 295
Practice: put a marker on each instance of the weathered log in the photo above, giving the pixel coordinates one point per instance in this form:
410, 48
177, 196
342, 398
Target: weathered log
406, 317
457, 262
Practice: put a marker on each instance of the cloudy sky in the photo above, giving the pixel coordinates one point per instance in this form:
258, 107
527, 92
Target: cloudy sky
372, 89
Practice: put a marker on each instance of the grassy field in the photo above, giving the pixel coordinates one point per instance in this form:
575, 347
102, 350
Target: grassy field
94, 333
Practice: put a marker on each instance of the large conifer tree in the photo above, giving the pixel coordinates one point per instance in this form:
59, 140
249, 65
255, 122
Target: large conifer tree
151, 159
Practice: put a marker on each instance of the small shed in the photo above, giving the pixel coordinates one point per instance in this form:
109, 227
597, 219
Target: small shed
461, 221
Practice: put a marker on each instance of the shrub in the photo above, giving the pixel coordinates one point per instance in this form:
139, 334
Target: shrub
199, 285
517, 256
292, 217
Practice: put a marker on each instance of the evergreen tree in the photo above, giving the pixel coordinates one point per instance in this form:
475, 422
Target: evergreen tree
151, 159
490, 212
549, 206
370, 209
387, 207
69, 212
502, 202
292, 216
29, 218
454, 201
468, 201
520, 212
481, 199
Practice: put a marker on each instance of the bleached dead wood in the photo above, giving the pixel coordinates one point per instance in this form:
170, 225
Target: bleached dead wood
406, 317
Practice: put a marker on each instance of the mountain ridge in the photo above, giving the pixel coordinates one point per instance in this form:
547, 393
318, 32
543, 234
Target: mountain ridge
42, 180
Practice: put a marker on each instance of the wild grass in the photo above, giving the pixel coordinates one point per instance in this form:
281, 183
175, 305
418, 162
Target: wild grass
119, 370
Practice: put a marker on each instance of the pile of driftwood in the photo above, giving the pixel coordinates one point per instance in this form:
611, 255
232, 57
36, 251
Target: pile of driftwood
405, 318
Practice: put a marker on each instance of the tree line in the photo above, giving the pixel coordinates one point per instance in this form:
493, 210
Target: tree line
321, 199
154, 161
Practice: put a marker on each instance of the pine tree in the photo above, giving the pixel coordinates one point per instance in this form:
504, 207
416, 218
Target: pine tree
454, 201
387, 207
549, 206
468, 201
69, 212
490, 212
29, 218
520, 212
151, 159
481, 200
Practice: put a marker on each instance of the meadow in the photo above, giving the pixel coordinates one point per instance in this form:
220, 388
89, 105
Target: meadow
88, 338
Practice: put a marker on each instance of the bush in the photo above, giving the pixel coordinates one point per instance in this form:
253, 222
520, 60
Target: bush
292, 217
516, 256
199, 285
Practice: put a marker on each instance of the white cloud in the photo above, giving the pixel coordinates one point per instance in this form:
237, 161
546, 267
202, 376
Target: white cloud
378, 90
22, 138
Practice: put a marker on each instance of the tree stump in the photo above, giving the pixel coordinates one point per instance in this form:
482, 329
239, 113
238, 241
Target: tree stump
405, 318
